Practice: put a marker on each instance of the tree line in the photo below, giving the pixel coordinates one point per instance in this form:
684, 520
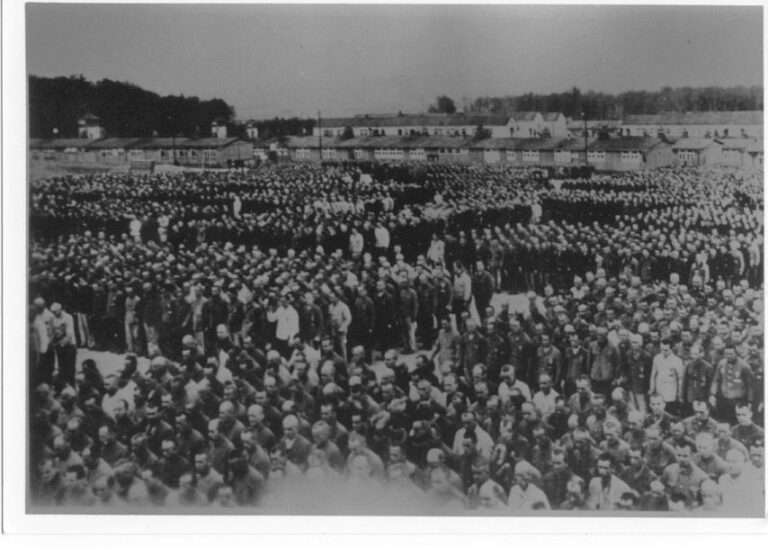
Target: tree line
126, 110
596, 105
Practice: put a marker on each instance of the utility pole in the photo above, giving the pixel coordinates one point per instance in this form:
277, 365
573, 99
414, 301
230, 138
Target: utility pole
586, 157
320, 134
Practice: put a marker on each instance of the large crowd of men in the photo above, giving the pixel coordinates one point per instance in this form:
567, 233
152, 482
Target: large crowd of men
352, 338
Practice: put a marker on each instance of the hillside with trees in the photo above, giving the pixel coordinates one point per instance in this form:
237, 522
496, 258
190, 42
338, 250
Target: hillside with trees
126, 110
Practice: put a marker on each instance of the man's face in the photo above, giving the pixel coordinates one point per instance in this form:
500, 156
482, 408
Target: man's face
213, 432
153, 414
182, 425
47, 471
185, 484
449, 385
255, 416
70, 480
248, 440
61, 447
743, 415
665, 350
425, 390
522, 480
730, 355
528, 411
270, 384
701, 411
290, 430
735, 460
90, 461
704, 447
111, 385
327, 346
168, 449
677, 430
582, 387
166, 401
723, 432
603, 468
683, 455
653, 438
696, 352
396, 454
326, 413
201, 464
224, 496
657, 405
757, 456
321, 435
480, 474
468, 446
545, 384
635, 458
326, 374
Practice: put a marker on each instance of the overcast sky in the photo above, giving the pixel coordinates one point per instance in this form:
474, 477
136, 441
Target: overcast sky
286, 60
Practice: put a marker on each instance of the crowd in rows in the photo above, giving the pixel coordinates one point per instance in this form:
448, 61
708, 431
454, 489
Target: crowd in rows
317, 331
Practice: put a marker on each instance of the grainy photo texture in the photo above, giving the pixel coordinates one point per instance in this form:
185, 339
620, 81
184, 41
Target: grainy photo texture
395, 260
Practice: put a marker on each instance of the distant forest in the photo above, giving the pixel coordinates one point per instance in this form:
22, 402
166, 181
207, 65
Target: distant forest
126, 110
605, 106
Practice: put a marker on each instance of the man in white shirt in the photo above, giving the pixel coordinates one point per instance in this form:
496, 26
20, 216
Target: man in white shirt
287, 324
64, 344
42, 331
356, 243
524, 495
381, 234
484, 440
667, 377
115, 394
462, 290
135, 228
742, 492
545, 399
606, 489
509, 384
341, 318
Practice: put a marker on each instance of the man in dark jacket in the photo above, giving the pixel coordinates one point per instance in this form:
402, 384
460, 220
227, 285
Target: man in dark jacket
385, 318
425, 320
408, 309
363, 319
482, 287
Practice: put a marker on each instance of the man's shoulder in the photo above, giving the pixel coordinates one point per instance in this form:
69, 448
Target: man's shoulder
620, 484
698, 473
595, 483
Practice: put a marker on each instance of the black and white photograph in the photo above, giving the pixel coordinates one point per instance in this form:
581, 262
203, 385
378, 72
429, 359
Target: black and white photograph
392, 260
